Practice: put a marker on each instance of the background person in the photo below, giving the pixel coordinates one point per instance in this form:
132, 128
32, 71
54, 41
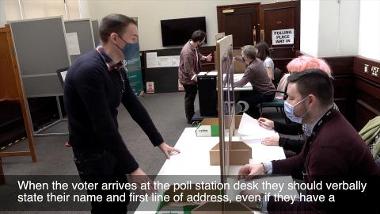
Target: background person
255, 73
189, 66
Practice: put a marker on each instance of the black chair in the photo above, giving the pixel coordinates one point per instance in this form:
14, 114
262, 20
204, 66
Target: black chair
277, 74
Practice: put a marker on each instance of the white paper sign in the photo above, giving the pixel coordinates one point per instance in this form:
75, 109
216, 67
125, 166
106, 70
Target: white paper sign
63, 75
72, 43
151, 60
283, 37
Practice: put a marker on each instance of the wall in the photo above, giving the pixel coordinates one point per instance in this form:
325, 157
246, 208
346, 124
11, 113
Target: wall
2, 13
369, 36
309, 27
150, 12
338, 27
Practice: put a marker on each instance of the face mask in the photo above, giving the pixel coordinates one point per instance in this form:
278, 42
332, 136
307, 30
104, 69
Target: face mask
130, 50
289, 111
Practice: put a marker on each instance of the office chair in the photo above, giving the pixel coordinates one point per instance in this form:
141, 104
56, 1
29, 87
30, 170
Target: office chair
277, 74
276, 103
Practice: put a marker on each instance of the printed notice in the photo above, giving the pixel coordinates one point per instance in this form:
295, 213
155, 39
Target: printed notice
72, 43
283, 37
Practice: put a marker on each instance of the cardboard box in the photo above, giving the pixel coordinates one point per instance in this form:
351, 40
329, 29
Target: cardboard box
240, 153
218, 208
209, 127
173, 205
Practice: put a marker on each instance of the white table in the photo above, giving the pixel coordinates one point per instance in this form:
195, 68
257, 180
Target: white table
194, 159
246, 87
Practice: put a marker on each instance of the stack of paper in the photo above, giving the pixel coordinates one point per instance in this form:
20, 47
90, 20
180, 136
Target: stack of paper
249, 128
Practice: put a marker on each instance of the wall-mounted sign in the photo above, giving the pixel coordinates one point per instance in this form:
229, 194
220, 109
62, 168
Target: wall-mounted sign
283, 37
372, 70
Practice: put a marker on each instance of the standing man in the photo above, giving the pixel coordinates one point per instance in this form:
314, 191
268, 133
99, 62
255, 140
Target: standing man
95, 86
333, 153
189, 66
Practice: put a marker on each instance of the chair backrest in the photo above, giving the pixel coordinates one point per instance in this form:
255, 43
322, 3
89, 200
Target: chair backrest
62, 75
277, 73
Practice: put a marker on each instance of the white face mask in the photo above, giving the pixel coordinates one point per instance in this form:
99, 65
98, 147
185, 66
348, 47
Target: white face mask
289, 111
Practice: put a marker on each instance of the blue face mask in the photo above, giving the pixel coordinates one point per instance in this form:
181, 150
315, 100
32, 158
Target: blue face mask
130, 50
289, 111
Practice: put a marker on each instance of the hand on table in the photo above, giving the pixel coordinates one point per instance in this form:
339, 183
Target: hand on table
266, 123
168, 150
271, 141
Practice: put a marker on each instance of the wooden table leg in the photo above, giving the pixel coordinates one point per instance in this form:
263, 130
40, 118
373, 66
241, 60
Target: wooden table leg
2, 178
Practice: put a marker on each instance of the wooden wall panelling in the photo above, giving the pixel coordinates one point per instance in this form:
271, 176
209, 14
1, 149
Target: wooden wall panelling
342, 71
367, 88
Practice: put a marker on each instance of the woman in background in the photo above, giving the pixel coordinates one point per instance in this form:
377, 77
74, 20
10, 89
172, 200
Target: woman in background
263, 54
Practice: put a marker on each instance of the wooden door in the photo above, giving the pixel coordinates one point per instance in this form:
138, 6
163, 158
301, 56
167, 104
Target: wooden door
240, 21
280, 20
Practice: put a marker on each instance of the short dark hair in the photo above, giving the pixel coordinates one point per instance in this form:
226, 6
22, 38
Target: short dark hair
316, 82
114, 23
198, 36
262, 50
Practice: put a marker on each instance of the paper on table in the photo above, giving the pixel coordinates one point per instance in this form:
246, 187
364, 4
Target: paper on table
175, 61
151, 60
212, 73
72, 43
250, 129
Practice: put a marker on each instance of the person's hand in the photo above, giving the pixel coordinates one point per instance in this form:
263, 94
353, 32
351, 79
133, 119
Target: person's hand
138, 176
209, 57
272, 140
248, 171
168, 150
266, 123
238, 59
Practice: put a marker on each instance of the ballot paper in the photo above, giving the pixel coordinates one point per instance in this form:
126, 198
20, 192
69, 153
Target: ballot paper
249, 128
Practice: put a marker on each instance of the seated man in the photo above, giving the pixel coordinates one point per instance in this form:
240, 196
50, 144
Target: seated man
255, 73
292, 145
334, 152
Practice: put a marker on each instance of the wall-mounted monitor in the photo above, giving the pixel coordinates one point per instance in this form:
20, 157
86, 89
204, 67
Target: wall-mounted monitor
176, 32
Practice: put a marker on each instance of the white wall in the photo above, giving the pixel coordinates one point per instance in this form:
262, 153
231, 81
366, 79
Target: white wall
2, 13
330, 27
369, 36
338, 27
150, 12
309, 27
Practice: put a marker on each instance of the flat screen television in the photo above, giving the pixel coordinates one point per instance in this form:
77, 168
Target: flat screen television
178, 31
